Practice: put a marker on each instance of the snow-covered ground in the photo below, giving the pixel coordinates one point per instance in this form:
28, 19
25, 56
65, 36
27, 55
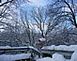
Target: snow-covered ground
5, 57
74, 56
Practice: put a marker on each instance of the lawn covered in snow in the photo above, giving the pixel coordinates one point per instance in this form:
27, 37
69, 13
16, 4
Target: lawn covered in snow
5, 57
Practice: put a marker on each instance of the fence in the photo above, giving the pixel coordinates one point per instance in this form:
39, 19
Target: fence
13, 51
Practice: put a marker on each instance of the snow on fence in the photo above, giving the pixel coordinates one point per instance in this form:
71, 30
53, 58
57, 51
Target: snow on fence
59, 57
61, 47
55, 57
55, 52
58, 53
64, 50
11, 57
24, 48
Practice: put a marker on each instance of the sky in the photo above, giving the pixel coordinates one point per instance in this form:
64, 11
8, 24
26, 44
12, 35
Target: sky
40, 2
36, 3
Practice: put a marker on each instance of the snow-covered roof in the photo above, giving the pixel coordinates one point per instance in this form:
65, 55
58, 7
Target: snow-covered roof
61, 47
5, 57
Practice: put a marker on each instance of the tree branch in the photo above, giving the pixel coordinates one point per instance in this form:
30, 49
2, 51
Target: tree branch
6, 2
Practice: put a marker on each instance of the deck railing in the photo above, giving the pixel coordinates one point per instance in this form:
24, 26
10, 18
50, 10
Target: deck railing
20, 50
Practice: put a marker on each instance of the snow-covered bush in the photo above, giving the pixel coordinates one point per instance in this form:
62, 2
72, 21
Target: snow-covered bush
58, 57
74, 56
55, 57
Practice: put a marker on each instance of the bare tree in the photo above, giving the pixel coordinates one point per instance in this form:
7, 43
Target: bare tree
46, 23
8, 17
8, 1
68, 10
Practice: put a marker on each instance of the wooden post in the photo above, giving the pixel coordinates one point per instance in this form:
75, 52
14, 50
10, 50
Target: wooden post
0, 1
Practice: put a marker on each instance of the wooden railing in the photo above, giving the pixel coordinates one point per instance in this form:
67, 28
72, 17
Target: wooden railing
66, 54
0, 1
25, 49
44, 52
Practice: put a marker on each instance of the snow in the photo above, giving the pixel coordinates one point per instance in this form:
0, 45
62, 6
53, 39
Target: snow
67, 60
55, 57
58, 57
5, 57
4, 47
74, 56
45, 59
42, 39
23, 47
61, 47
